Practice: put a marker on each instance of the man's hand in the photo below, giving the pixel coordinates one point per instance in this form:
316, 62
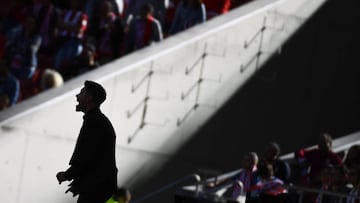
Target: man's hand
61, 177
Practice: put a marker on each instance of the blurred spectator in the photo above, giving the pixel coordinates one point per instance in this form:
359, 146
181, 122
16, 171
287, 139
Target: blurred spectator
270, 189
31, 86
315, 160
352, 156
338, 180
325, 179
50, 78
170, 15
216, 7
109, 33
281, 168
121, 6
354, 180
9, 86
188, 13
81, 64
71, 25
159, 11
247, 176
22, 49
46, 16
93, 7
144, 29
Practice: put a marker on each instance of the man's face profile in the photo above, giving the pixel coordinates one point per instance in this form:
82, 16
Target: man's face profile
82, 99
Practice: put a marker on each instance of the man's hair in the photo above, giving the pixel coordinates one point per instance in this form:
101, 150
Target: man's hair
252, 156
327, 137
145, 9
96, 91
275, 146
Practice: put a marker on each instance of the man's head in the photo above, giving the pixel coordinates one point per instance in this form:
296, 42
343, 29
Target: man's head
92, 95
353, 155
271, 152
354, 175
146, 9
106, 8
250, 161
325, 142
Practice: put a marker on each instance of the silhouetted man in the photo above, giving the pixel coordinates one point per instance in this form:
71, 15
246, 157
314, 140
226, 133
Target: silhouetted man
92, 168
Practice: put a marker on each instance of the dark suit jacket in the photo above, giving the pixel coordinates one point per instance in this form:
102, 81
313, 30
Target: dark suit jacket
92, 165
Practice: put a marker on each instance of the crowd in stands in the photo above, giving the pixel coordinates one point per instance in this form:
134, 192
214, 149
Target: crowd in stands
60, 39
265, 179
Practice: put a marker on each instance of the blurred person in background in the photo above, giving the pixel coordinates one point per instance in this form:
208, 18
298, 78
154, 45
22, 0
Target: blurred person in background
9, 86
269, 189
314, 160
247, 176
144, 29
188, 14
108, 33
71, 26
22, 48
216, 7
281, 168
354, 180
352, 157
50, 78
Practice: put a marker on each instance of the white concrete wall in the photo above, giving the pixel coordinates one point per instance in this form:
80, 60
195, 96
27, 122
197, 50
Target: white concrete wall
38, 135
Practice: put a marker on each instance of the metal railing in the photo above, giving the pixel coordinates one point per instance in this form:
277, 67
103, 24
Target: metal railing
295, 193
301, 191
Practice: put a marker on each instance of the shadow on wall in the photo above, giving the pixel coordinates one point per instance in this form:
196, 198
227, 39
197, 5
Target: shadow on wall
311, 87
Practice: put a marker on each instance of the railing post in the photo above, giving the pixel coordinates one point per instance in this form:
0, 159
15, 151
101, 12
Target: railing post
301, 195
197, 178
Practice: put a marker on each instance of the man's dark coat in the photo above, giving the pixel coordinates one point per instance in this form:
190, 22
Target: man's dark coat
92, 165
